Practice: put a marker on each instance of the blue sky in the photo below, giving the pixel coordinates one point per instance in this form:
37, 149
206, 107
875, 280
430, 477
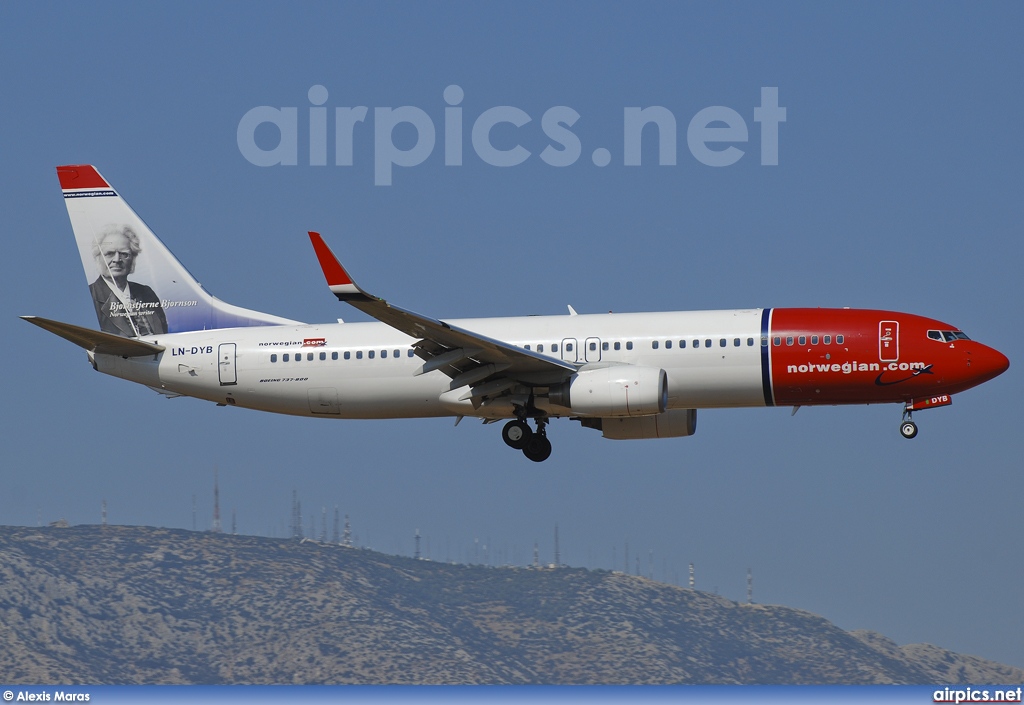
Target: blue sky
898, 187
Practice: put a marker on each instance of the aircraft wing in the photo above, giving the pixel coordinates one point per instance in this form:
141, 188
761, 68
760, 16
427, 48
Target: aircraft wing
487, 365
96, 341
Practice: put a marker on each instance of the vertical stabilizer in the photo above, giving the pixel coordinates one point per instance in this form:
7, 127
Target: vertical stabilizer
138, 287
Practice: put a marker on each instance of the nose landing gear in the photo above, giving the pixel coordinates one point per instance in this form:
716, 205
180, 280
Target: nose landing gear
908, 429
534, 444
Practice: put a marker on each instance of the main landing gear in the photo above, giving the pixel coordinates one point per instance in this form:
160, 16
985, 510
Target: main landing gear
908, 429
534, 444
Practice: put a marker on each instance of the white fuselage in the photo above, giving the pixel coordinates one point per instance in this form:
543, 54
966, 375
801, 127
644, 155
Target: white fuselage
367, 370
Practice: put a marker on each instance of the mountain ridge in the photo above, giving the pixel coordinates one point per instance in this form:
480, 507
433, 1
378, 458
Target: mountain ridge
116, 604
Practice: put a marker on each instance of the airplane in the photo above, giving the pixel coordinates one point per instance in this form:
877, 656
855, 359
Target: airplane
627, 375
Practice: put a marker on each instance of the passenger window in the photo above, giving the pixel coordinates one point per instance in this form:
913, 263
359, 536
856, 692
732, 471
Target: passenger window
750, 342
323, 356
412, 353
371, 353
668, 344
568, 347
527, 346
827, 340
682, 344
721, 343
383, 354
397, 353
696, 343
839, 340
334, 355
604, 346
629, 345
618, 345
593, 346
540, 347
654, 344
814, 340
348, 355
776, 340
309, 357
789, 340
273, 358
284, 358
359, 354
707, 343
764, 341
554, 347
803, 340
736, 342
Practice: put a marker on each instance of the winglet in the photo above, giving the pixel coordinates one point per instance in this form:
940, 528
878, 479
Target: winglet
337, 278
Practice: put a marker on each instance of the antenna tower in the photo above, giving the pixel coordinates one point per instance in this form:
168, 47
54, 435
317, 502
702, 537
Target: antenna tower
417, 537
103, 514
692, 582
323, 524
296, 516
750, 587
216, 503
336, 534
347, 538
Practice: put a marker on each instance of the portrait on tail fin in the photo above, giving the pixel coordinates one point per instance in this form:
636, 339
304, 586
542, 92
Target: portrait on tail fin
123, 307
138, 287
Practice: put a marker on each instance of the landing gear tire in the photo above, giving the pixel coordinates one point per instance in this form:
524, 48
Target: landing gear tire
537, 448
908, 429
516, 434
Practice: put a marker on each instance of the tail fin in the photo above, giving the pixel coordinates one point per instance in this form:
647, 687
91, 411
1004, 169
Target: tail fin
137, 285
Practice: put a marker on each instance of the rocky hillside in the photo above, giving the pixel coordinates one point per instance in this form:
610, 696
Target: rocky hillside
105, 605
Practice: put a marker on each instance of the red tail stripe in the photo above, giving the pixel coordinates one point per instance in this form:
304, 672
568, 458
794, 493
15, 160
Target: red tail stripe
81, 176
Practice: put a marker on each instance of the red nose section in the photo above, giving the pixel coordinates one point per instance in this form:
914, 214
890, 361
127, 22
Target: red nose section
988, 363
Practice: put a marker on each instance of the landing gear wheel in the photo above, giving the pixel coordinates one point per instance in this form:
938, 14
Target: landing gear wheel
516, 434
537, 448
908, 429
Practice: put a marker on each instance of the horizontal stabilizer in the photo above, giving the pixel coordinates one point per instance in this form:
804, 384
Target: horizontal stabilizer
96, 341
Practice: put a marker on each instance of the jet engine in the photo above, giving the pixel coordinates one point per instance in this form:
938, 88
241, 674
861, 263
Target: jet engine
615, 391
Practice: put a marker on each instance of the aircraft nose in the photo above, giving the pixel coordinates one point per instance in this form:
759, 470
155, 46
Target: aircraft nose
989, 362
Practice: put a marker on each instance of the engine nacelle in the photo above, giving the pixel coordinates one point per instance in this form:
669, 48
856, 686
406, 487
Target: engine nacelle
671, 424
616, 391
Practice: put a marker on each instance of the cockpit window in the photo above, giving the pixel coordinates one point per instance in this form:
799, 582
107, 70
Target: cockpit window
947, 336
